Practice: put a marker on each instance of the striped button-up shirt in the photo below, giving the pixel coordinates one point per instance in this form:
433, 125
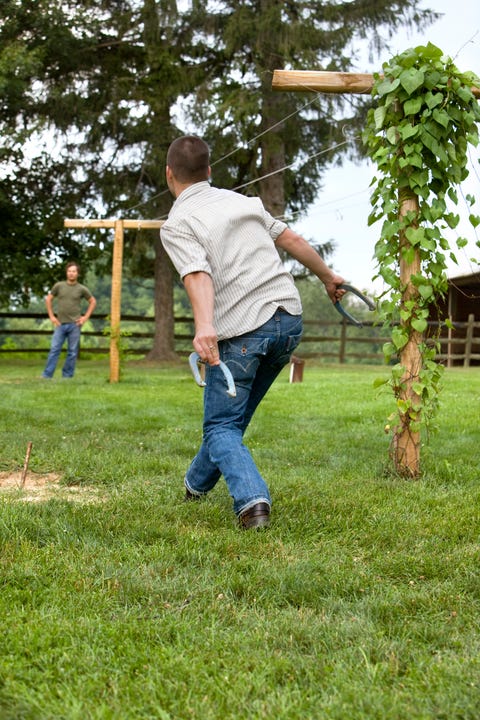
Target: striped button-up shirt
232, 238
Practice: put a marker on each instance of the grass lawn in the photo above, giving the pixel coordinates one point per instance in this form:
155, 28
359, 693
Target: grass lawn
119, 601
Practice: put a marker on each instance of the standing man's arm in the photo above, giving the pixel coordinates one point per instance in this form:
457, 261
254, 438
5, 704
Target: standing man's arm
199, 287
91, 307
51, 314
296, 246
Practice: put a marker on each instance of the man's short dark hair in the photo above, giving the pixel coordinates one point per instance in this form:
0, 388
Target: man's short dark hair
72, 263
188, 157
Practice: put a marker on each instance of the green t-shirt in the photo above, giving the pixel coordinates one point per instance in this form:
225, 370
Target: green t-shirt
68, 298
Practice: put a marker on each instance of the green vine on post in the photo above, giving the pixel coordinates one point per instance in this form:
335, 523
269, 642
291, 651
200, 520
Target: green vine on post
418, 134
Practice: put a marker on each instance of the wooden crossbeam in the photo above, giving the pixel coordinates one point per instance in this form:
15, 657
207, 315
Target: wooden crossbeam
127, 224
116, 298
330, 82
322, 81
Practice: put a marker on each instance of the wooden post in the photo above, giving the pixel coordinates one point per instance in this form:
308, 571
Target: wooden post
406, 442
116, 302
296, 369
468, 341
449, 344
452, 338
343, 342
116, 296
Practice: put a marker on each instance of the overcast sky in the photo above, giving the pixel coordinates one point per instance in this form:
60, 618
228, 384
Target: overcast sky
342, 208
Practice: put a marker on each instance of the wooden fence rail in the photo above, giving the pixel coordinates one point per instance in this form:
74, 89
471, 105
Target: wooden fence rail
335, 340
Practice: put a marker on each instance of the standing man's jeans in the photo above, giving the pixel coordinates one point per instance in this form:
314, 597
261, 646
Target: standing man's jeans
71, 333
254, 359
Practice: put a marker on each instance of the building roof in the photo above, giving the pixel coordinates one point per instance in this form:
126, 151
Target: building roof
465, 281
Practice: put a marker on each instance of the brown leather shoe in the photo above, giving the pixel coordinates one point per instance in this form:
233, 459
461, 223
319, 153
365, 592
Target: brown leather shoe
256, 517
189, 496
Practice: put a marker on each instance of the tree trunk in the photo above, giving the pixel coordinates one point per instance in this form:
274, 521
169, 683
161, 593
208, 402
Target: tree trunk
406, 443
164, 340
272, 189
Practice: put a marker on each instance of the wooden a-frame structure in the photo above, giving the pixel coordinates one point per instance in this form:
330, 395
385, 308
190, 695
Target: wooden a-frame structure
406, 441
116, 298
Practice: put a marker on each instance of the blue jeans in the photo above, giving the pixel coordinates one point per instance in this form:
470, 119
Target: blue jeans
254, 359
71, 333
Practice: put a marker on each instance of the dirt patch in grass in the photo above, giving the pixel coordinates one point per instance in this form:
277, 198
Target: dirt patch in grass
37, 488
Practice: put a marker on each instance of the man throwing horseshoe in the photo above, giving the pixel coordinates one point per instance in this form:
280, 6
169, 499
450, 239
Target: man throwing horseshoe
247, 313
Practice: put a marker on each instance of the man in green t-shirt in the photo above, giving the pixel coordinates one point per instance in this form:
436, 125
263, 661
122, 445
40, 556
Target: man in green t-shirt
68, 320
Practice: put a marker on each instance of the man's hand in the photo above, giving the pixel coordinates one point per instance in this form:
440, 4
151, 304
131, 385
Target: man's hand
205, 343
334, 292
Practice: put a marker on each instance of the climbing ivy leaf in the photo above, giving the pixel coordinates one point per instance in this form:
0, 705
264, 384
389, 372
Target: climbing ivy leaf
411, 79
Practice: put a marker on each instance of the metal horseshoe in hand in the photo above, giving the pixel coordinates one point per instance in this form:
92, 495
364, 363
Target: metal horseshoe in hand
338, 306
194, 360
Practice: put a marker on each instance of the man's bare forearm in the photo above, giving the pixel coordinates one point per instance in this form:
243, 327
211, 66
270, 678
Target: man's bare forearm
296, 246
200, 291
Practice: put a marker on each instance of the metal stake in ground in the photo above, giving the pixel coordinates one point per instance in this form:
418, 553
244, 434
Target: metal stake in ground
25, 464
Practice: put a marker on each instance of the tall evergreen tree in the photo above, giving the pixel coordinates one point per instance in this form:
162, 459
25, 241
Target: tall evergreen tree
105, 76
35, 187
114, 82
